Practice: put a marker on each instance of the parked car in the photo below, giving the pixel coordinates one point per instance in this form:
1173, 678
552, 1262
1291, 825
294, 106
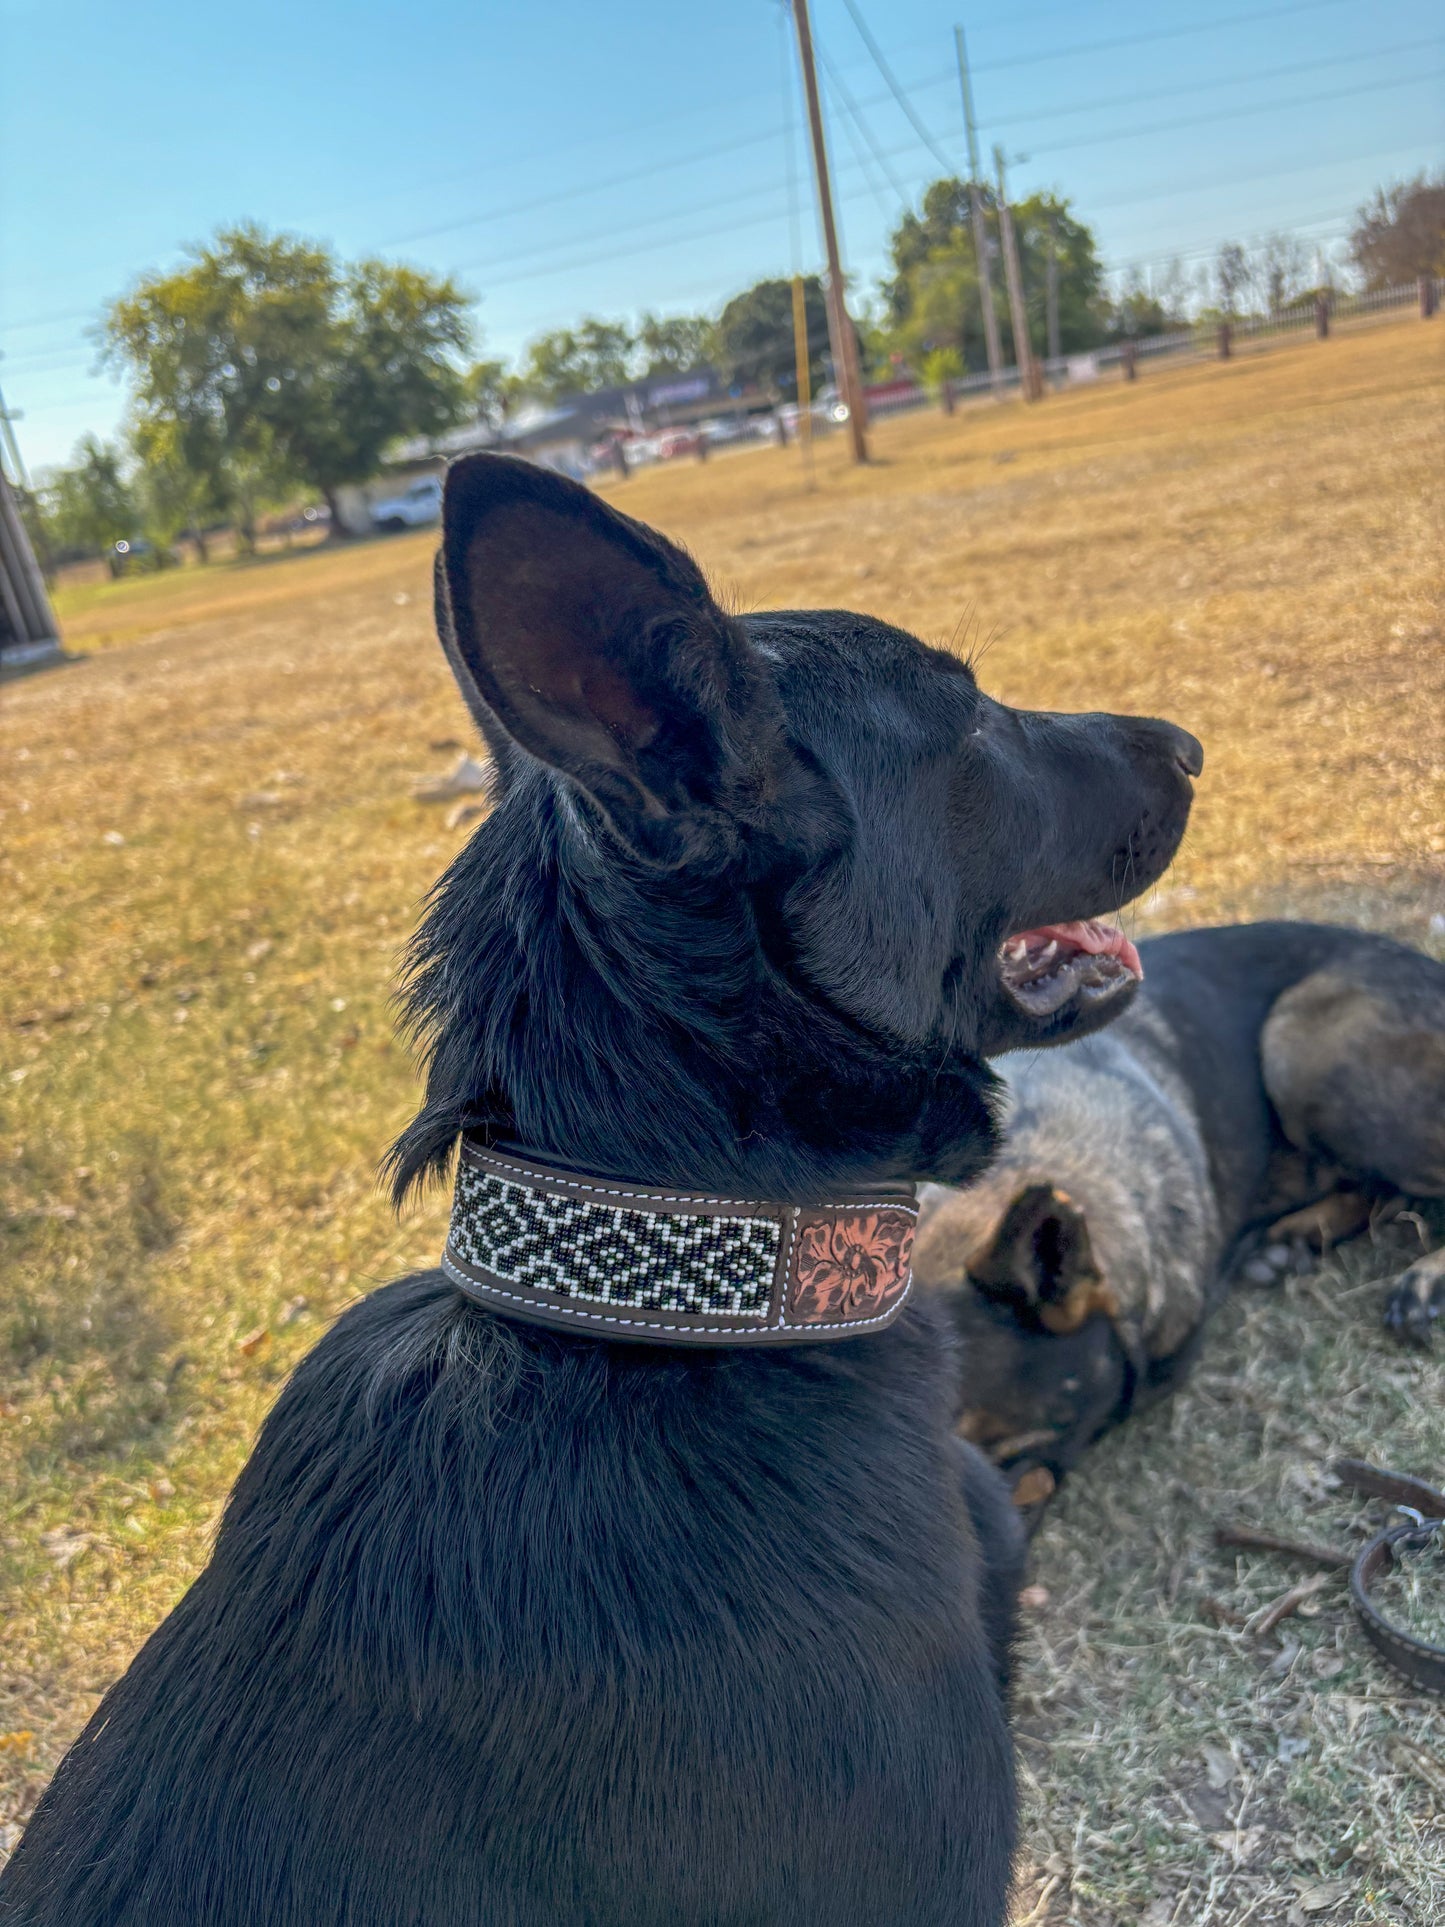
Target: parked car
418, 505
718, 430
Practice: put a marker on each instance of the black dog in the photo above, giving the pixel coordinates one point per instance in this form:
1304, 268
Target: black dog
507, 1626
1276, 1078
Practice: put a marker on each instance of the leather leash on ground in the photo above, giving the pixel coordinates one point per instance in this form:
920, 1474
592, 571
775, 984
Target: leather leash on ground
1420, 1662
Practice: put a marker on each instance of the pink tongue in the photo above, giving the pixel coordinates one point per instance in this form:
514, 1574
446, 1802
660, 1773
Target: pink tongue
1098, 939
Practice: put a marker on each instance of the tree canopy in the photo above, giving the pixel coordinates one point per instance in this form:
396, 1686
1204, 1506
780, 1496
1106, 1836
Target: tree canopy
1399, 233
609, 354
933, 299
754, 336
572, 361
674, 344
265, 362
90, 506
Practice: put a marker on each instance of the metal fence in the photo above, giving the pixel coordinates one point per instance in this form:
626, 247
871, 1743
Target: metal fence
1200, 340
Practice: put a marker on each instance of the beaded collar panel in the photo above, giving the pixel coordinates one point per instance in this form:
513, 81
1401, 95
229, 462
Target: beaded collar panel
634, 1261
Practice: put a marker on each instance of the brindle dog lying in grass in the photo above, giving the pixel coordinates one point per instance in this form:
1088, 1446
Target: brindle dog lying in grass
1280, 1075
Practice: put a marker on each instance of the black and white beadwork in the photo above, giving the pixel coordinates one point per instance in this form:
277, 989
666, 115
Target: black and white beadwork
604, 1254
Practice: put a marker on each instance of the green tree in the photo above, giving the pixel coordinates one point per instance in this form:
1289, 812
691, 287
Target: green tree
674, 344
1400, 232
1048, 231
90, 506
934, 298
754, 337
396, 369
577, 361
491, 391
272, 365
174, 499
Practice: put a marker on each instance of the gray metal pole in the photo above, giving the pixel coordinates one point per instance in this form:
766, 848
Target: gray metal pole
980, 230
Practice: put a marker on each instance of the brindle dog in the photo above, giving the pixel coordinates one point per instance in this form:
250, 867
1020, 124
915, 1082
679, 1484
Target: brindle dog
1265, 1069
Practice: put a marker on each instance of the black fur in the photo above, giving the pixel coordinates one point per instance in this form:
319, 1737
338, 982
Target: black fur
506, 1627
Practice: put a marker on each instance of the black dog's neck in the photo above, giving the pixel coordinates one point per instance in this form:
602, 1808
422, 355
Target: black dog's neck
633, 1025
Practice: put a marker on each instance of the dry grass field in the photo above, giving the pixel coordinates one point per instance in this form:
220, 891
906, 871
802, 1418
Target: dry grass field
209, 858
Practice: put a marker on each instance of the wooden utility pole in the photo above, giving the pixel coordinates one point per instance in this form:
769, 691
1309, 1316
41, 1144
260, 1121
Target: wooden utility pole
1028, 368
840, 329
980, 231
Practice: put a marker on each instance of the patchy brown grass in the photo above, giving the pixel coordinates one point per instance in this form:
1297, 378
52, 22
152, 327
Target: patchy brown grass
209, 859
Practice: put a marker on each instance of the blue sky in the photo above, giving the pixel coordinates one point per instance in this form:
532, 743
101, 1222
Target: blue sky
564, 158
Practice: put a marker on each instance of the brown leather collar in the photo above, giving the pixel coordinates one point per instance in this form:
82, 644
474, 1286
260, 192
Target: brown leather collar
664, 1267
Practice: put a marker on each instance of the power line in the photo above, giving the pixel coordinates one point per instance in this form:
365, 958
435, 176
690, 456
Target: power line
723, 149
836, 83
647, 173
860, 154
937, 80
1333, 226
1217, 24
767, 215
1149, 94
1015, 120
1230, 113
48, 320
893, 87
1239, 180
736, 145
882, 155
501, 265
995, 21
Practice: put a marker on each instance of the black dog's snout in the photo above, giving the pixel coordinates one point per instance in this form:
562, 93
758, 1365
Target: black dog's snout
1186, 751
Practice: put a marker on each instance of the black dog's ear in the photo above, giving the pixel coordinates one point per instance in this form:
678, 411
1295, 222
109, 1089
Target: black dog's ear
595, 645
1041, 1261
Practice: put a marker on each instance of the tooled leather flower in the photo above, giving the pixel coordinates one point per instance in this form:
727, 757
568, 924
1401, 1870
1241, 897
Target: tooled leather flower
850, 1267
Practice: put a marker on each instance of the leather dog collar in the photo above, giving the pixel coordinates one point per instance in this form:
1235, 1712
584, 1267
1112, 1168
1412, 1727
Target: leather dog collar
664, 1267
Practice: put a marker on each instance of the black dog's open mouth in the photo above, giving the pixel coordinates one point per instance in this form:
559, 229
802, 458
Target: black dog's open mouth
1044, 969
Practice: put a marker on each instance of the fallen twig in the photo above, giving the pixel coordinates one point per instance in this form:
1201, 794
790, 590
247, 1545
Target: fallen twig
1271, 1542
1289, 1602
1038, 1913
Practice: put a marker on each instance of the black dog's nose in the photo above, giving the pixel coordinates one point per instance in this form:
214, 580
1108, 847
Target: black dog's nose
1188, 750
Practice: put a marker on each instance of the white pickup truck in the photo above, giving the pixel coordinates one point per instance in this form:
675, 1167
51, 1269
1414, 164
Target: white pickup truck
418, 504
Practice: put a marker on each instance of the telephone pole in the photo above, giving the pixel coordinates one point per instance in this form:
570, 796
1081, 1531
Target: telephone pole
840, 329
980, 231
1029, 382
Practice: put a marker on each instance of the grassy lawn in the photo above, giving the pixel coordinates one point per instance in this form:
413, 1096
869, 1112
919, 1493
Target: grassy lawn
209, 859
